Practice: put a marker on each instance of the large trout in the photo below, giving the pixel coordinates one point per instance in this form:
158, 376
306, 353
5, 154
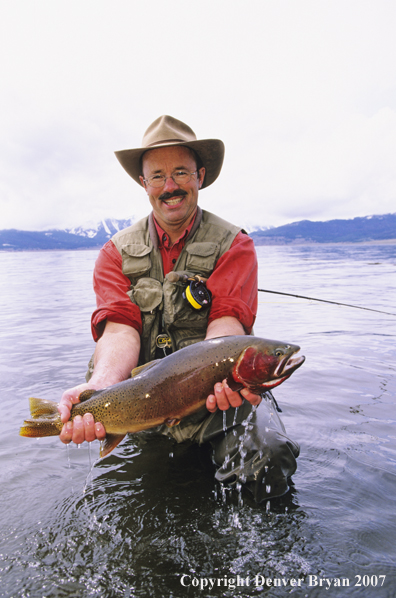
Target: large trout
169, 389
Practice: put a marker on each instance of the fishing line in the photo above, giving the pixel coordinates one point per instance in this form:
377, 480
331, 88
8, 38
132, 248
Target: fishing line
327, 301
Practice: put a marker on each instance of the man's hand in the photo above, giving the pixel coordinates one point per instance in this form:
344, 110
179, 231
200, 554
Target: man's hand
224, 397
116, 354
81, 428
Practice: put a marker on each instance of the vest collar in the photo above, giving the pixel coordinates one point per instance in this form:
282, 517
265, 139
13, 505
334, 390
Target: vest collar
153, 230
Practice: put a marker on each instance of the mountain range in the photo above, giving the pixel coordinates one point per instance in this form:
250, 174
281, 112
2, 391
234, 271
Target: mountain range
355, 230
362, 229
89, 236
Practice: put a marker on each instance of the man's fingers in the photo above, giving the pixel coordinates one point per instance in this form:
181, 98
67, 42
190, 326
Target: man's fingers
66, 433
78, 430
233, 397
64, 411
100, 431
211, 404
89, 427
69, 398
221, 396
82, 428
252, 398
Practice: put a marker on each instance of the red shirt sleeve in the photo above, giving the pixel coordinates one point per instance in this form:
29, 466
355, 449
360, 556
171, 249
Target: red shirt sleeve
111, 287
233, 283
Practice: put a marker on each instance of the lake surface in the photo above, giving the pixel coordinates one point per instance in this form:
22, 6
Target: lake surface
149, 520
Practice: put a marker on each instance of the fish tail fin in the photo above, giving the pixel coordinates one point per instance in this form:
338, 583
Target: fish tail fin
42, 407
45, 420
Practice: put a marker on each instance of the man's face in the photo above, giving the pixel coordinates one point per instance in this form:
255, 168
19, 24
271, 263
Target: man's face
173, 205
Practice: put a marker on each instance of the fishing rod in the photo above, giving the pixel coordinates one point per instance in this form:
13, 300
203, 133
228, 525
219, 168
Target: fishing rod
327, 301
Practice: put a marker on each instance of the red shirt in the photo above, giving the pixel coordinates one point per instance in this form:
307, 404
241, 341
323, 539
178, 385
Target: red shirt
170, 253
233, 284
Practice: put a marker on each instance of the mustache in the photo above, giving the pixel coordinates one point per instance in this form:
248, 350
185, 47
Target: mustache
176, 193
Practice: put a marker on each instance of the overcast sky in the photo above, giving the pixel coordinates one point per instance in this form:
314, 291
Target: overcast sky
302, 92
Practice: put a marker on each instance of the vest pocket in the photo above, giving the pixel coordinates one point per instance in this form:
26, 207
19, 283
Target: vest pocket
136, 260
147, 293
202, 257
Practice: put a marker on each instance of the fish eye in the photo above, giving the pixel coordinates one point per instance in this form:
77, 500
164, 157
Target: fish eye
279, 352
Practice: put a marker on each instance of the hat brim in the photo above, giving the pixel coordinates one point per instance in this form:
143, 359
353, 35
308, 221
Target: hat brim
210, 151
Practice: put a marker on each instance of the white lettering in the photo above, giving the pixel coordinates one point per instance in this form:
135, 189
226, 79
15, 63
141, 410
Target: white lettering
259, 580
326, 582
232, 583
243, 582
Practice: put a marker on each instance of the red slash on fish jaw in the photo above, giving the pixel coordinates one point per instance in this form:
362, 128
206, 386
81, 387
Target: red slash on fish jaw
272, 383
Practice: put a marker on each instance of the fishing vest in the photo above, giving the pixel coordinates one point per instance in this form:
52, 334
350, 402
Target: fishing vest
163, 308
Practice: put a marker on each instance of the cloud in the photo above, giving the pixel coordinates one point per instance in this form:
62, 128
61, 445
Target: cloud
303, 94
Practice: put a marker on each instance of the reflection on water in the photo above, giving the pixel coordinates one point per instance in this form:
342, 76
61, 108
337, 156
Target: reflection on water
136, 522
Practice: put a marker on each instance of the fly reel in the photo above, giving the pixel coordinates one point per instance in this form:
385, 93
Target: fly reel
197, 295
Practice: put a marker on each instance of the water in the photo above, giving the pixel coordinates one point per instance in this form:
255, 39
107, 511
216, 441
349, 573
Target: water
149, 520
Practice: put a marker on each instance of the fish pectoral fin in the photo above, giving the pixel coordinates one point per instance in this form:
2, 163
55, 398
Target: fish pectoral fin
146, 366
86, 394
172, 422
109, 443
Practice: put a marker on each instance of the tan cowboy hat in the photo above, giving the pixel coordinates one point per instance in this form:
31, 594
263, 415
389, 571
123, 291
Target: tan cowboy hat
167, 131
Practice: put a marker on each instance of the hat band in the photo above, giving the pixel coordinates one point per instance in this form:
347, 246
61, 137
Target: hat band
167, 141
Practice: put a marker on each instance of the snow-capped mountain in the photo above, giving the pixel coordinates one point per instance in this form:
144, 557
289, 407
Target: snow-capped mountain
82, 237
104, 228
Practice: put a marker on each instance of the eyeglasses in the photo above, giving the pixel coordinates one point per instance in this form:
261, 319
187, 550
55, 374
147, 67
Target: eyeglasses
180, 177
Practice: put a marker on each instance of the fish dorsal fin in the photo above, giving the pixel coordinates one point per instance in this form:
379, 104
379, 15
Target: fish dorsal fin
86, 394
109, 443
146, 366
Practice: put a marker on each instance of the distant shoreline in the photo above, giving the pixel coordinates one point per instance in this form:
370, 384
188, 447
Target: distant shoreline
293, 243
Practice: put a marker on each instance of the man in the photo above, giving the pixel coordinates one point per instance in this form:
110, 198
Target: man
141, 314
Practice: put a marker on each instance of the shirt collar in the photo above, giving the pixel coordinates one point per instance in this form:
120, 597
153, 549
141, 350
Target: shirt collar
163, 236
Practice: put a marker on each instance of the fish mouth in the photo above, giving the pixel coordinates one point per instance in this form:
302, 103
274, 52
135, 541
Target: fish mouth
289, 364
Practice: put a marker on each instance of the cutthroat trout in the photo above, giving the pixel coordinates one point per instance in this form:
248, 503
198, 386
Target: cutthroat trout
169, 389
